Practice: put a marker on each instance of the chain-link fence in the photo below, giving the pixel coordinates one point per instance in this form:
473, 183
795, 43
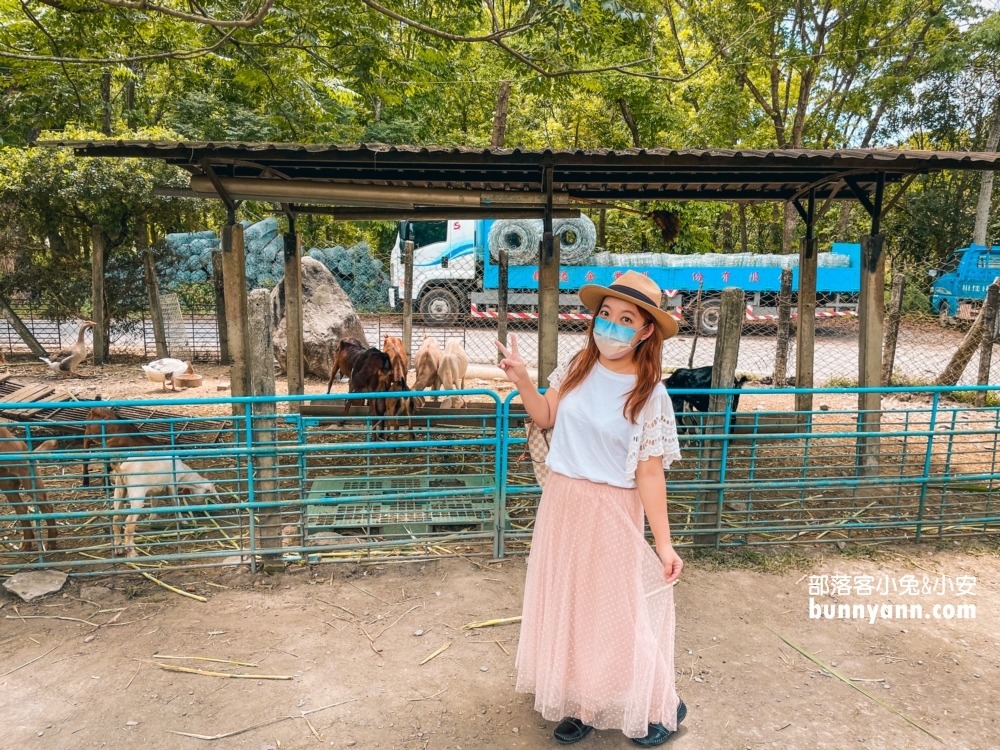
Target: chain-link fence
930, 332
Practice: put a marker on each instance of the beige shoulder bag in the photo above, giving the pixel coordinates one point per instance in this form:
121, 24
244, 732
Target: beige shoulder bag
538, 448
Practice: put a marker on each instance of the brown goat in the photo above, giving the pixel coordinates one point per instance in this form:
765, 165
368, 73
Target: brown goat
17, 476
344, 358
372, 373
393, 346
401, 407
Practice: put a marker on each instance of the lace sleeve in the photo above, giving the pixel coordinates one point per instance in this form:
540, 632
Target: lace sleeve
557, 375
654, 435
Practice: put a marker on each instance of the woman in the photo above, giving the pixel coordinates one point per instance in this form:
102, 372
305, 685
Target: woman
597, 627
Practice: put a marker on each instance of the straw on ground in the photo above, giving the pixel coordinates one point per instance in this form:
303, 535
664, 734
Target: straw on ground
205, 673
436, 653
490, 623
861, 690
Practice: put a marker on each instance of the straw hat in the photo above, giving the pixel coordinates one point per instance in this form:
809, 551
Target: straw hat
632, 287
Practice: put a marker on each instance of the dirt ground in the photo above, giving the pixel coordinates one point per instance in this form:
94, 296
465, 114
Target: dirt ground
71, 684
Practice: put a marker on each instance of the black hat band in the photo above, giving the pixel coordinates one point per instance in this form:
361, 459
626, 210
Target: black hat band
630, 292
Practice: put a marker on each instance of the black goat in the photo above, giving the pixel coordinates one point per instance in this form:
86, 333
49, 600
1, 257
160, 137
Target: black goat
699, 378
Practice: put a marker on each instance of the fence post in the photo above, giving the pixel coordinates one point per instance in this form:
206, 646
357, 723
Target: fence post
548, 288
220, 307
871, 312
408, 298
892, 328
97, 291
989, 334
697, 324
294, 368
264, 463
805, 330
784, 329
502, 269
727, 348
235, 287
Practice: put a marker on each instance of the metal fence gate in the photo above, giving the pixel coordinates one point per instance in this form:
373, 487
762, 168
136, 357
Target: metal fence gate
314, 479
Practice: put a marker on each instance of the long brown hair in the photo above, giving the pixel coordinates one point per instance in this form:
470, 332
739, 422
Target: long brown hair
647, 373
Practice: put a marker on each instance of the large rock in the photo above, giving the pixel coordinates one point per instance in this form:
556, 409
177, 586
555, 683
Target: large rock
327, 316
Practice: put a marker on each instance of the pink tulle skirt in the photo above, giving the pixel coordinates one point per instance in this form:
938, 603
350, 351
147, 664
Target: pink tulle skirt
597, 627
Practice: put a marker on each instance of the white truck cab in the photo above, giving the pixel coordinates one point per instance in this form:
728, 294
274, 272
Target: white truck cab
444, 267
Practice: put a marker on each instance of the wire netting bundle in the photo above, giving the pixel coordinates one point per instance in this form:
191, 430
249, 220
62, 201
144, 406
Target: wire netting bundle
520, 238
359, 274
188, 259
577, 240
715, 260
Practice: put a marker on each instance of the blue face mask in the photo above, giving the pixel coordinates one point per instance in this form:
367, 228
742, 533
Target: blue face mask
613, 340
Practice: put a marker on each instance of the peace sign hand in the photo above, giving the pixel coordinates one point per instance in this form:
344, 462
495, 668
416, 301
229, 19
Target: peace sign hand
512, 364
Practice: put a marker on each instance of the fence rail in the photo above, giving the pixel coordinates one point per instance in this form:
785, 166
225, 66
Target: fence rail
325, 481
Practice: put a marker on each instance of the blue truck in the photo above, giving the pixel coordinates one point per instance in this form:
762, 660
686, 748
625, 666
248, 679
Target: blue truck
456, 275
959, 285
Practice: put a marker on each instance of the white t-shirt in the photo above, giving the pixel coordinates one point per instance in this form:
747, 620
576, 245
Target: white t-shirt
592, 439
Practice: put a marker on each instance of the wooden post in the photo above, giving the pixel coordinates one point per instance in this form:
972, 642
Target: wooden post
548, 290
22, 330
727, 349
155, 309
235, 289
784, 329
892, 328
408, 299
97, 292
265, 465
294, 361
220, 307
989, 335
870, 313
805, 330
502, 271
697, 325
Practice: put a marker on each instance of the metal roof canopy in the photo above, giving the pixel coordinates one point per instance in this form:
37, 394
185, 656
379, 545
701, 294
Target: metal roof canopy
378, 181
422, 175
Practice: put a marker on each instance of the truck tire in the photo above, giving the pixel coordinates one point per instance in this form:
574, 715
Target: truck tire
944, 315
708, 317
442, 306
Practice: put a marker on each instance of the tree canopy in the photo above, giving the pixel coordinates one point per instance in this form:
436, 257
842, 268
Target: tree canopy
568, 73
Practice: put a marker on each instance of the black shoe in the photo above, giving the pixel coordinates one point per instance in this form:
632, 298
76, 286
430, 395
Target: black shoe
571, 730
658, 734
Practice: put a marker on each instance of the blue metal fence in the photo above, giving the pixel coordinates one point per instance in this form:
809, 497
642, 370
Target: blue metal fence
315, 479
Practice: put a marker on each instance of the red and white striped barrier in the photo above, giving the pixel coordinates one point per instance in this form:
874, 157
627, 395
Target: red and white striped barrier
819, 314
477, 313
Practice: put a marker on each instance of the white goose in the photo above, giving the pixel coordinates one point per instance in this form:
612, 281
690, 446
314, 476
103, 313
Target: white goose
162, 370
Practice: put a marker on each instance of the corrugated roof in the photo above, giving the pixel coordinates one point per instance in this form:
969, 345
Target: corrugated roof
598, 174
194, 149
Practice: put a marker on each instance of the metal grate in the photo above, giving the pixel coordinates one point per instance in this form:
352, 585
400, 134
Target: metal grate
174, 328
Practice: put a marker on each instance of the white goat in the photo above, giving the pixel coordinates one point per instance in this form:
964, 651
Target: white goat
451, 372
137, 479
